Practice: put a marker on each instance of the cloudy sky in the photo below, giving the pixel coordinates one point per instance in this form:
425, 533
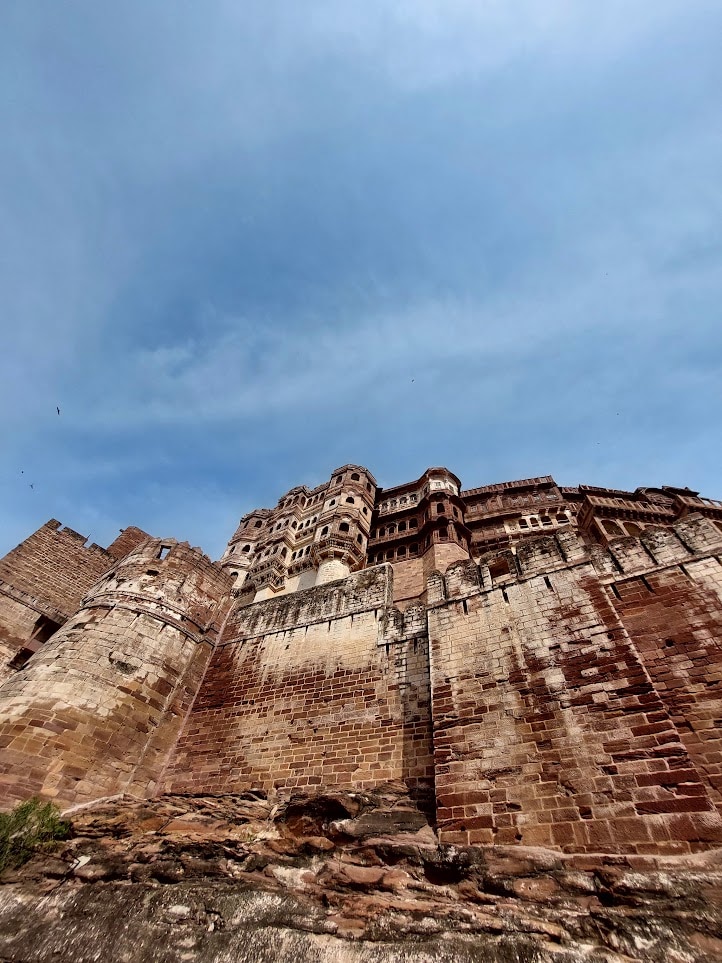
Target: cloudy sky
242, 243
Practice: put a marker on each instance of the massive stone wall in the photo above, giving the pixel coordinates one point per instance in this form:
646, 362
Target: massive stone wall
561, 695
674, 615
97, 709
326, 687
552, 725
43, 580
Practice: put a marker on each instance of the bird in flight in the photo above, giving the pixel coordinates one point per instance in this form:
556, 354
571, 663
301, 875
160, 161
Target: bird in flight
57, 409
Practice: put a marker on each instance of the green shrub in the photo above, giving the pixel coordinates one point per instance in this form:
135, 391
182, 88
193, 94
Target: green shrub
31, 825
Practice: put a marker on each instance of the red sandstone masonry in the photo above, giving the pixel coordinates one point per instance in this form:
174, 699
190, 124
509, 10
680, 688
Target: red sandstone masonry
675, 618
306, 690
55, 565
577, 691
547, 728
97, 710
46, 576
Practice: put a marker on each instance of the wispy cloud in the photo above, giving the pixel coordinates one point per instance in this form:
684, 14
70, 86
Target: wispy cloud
241, 245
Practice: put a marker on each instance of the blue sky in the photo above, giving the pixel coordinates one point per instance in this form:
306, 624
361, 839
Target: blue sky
244, 243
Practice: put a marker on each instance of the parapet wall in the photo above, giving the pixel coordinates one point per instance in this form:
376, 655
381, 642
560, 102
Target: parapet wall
319, 688
559, 717
98, 708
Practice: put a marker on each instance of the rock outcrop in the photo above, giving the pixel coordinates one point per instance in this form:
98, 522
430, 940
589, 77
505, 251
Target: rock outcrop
341, 876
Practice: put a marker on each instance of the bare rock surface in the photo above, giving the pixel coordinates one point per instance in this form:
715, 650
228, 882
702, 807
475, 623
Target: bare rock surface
335, 876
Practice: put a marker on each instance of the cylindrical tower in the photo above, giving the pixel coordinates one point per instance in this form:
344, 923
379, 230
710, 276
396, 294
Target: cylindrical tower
97, 709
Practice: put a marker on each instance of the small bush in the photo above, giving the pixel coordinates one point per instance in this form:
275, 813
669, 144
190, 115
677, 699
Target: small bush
31, 825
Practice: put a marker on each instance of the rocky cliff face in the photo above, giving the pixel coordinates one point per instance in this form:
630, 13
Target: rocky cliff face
250, 878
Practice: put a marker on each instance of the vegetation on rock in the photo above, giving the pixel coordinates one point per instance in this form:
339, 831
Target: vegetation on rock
28, 827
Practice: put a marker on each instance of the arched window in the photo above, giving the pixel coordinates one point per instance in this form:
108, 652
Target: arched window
389, 555
401, 552
439, 508
392, 529
294, 525
632, 529
359, 539
545, 520
355, 476
402, 526
523, 523
324, 530
349, 500
365, 510
343, 527
332, 502
258, 523
413, 549
444, 532
534, 522
382, 532
612, 528
246, 548
413, 523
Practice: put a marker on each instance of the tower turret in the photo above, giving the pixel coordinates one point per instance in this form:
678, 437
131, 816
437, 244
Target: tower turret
96, 711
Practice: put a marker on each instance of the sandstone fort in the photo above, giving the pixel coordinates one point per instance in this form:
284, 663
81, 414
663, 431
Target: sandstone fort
538, 666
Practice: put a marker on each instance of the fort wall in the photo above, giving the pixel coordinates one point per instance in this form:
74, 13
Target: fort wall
42, 582
551, 691
551, 726
98, 708
326, 687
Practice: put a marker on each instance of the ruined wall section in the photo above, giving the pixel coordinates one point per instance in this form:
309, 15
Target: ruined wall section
325, 687
548, 729
97, 709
